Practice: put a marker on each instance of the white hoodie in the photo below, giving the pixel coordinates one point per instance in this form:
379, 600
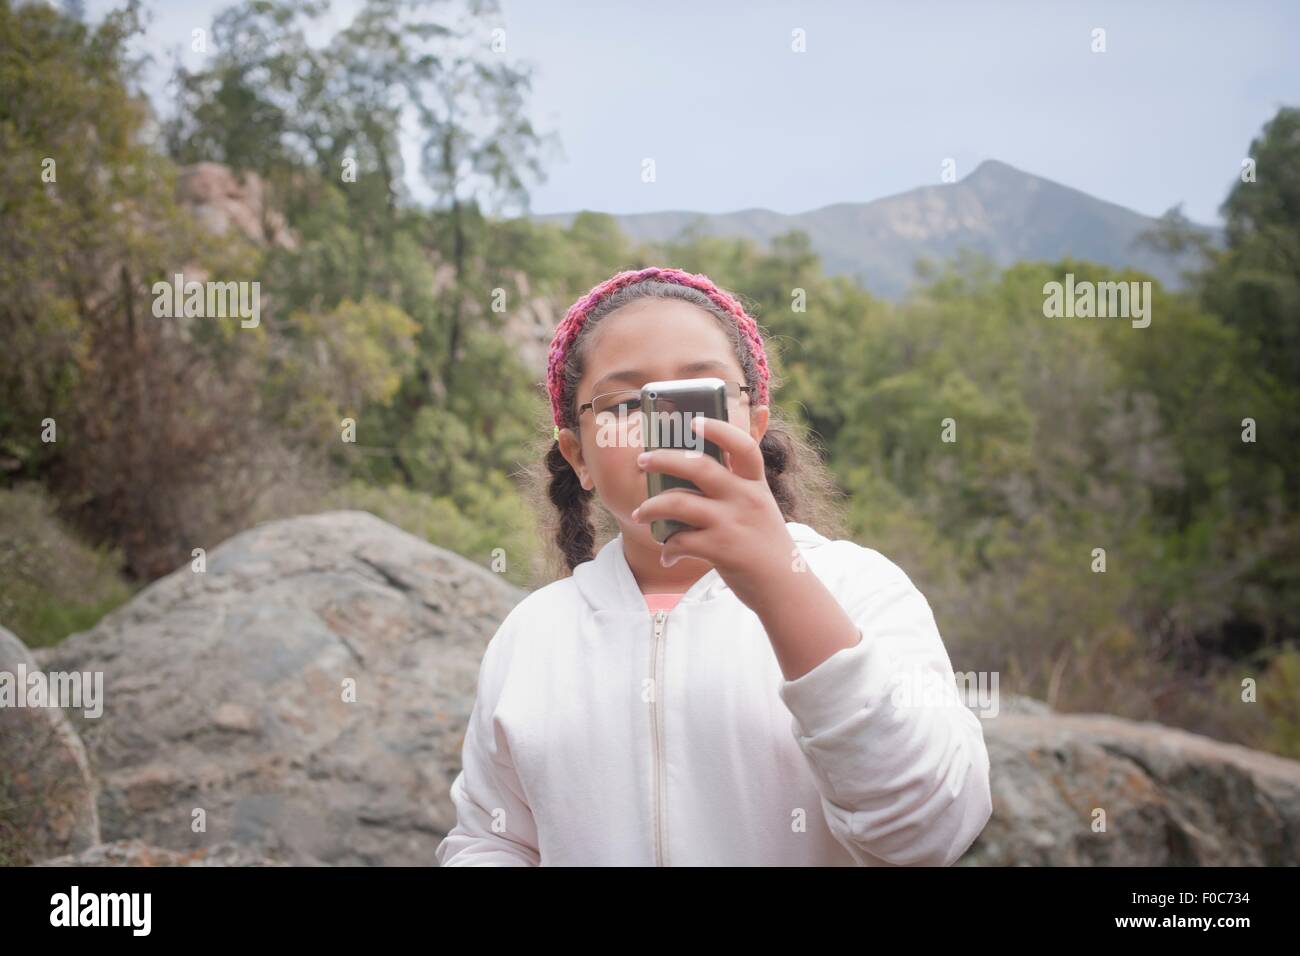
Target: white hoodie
571, 757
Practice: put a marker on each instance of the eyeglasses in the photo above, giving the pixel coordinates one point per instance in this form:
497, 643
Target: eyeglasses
627, 401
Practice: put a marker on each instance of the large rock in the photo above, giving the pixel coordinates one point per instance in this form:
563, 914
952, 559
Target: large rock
1170, 798
221, 201
139, 853
47, 793
227, 693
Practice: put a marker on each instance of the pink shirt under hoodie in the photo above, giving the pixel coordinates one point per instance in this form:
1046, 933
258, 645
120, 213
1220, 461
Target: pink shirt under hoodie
662, 602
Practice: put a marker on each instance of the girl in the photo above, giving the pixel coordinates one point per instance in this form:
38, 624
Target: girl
750, 692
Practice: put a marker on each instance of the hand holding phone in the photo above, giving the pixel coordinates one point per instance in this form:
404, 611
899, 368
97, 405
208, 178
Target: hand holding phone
667, 410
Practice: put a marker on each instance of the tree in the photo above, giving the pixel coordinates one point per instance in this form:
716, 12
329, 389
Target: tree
127, 417
1255, 283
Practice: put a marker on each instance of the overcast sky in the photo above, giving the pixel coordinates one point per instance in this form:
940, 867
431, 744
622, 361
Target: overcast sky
884, 93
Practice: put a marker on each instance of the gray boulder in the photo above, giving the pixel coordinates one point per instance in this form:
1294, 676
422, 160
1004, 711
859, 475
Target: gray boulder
139, 853
1167, 797
47, 792
306, 694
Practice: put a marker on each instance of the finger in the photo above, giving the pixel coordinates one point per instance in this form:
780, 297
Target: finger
684, 544
710, 477
746, 456
679, 503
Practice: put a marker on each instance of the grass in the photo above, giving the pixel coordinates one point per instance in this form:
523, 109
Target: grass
51, 583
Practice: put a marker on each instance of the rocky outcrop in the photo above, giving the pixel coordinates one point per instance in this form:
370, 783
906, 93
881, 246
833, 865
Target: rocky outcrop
305, 693
528, 323
302, 699
1091, 789
47, 792
139, 853
530, 326
221, 201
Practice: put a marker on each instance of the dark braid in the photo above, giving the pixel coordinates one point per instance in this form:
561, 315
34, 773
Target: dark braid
796, 472
576, 537
777, 454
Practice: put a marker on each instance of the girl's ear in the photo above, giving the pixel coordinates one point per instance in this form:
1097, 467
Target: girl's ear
758, 418
571, 449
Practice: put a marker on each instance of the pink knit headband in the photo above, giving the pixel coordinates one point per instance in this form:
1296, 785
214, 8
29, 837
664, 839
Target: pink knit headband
566, 333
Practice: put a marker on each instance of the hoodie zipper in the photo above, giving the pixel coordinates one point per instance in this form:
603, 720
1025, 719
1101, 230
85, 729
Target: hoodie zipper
657, 735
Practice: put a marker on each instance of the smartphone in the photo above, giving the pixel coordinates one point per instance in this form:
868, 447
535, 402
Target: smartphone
667, 410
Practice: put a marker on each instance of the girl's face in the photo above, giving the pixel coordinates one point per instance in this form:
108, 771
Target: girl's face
646, 341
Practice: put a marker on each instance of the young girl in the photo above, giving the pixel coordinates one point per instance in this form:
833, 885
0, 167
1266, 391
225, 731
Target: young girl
750, 692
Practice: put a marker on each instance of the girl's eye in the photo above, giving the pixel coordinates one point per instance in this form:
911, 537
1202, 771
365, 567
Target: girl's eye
630, 405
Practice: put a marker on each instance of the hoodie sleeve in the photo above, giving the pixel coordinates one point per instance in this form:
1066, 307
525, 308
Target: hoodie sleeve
899, 759
494, 825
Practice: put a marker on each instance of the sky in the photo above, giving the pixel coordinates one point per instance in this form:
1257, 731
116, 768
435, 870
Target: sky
882, 95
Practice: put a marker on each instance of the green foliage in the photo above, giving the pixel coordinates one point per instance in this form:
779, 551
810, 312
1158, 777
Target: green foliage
491, 525
90, 225
351, 357
70, 161
51, 584
1279, 698
1254, 285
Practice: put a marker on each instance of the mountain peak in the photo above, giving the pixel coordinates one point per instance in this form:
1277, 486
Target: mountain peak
996, 169
1004, 212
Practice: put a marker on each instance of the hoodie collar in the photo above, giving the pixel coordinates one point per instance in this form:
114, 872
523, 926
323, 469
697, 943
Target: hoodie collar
607, 583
